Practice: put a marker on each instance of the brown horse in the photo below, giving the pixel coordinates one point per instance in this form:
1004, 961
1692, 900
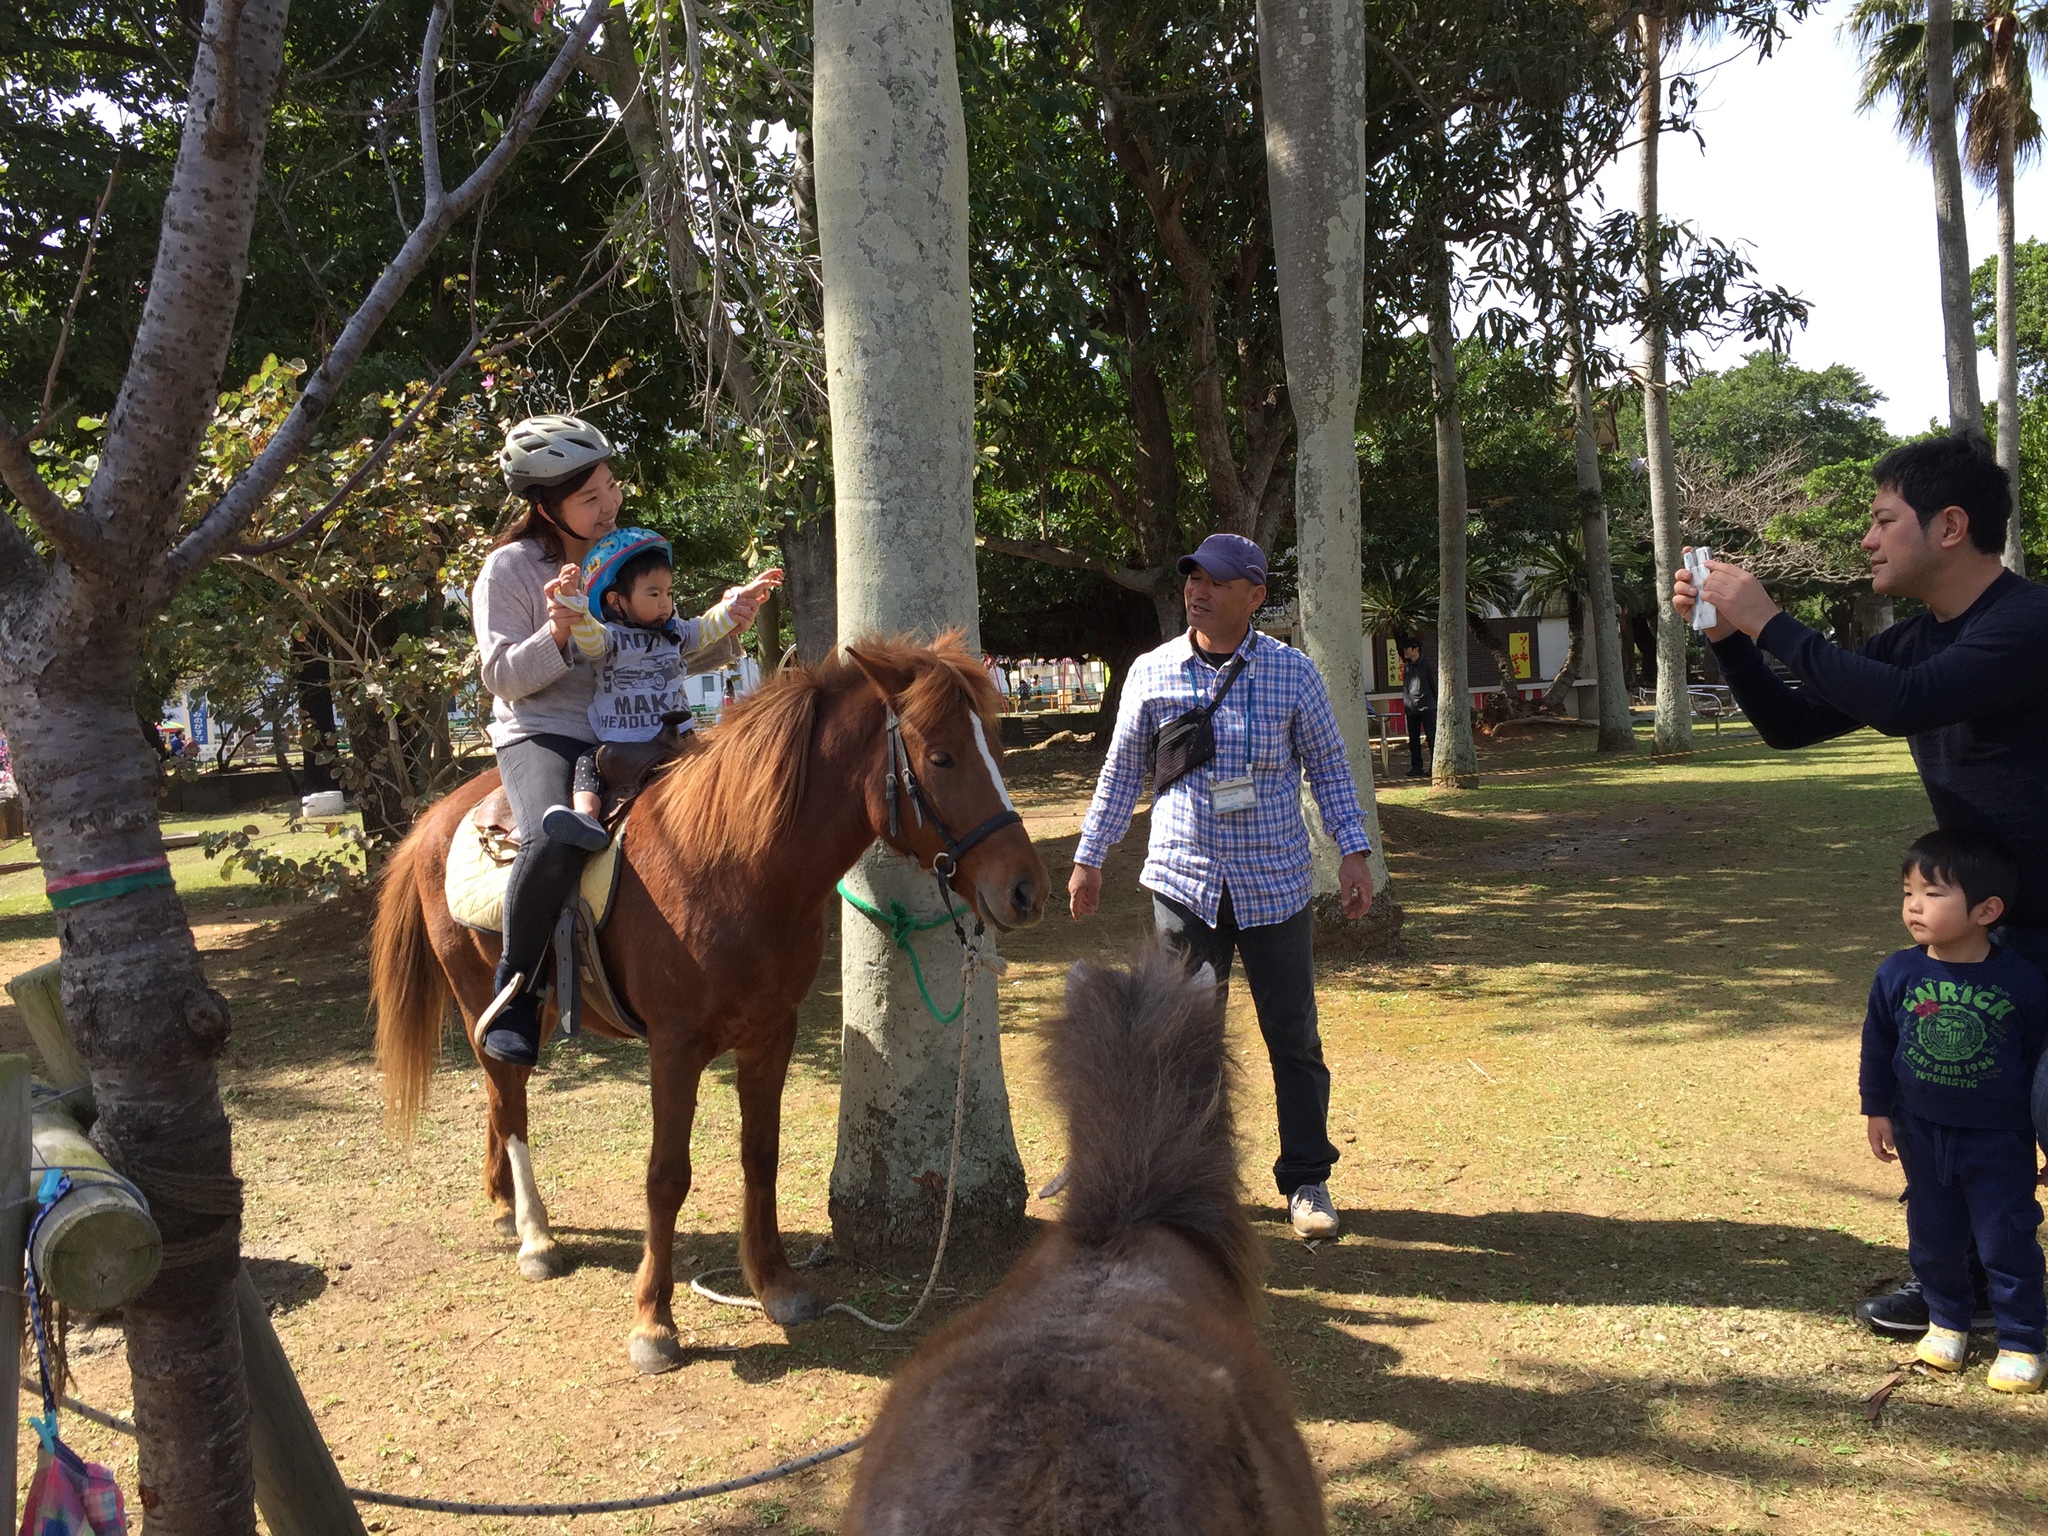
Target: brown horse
718, 924
1114, 1383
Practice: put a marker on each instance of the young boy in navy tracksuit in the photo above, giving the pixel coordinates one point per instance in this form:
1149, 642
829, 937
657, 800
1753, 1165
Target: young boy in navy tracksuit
1950, 1041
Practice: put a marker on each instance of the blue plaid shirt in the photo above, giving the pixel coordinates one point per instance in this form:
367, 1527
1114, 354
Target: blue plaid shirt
1275, 722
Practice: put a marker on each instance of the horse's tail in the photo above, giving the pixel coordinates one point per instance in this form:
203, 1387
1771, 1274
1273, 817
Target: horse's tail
408, 988
1138, 1062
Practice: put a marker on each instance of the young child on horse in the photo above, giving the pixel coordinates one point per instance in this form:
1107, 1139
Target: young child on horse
627, 627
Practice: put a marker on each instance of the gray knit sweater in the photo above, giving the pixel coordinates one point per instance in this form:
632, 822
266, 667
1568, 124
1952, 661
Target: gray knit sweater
536, 687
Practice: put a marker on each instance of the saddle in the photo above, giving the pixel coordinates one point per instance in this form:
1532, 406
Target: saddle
480, 868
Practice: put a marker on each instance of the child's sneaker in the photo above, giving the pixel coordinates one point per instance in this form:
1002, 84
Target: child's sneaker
2016, 1372
1943, 1348
566, 824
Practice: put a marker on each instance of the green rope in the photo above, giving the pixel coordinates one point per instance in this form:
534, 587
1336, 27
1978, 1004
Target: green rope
902, 926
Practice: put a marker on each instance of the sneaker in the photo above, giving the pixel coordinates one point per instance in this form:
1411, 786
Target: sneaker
1902, 1314
566, 824
1309, 1209
1942, 1348
2013, 1371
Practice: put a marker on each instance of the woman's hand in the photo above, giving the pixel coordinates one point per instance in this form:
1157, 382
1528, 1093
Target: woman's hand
745, 602
562, 619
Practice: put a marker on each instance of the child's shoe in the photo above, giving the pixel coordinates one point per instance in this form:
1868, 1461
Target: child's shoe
566, 824
2013, 1371
1943, 1348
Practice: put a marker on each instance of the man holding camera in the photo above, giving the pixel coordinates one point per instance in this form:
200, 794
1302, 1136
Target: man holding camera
1228, 720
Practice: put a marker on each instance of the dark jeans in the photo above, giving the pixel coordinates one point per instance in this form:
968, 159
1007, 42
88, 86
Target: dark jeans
536, 772
1421, 738
1279, 964
1963, 1184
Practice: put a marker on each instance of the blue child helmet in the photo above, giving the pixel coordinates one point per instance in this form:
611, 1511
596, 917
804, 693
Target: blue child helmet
601, 567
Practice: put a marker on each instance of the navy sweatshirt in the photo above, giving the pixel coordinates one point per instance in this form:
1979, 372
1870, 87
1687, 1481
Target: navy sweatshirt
1969, 695
1952, 1043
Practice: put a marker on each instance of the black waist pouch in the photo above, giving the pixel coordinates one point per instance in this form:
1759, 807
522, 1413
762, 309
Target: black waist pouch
1188, 741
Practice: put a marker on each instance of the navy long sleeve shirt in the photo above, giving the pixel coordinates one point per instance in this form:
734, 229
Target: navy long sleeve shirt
1954, 1043
1970, 695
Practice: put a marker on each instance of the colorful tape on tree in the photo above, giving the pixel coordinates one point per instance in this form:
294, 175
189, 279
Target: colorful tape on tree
105, 884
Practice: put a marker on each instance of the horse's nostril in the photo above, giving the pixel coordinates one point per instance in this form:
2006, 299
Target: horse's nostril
1023, 894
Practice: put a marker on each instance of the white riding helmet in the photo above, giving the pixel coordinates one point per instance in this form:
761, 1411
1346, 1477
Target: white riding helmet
546, 450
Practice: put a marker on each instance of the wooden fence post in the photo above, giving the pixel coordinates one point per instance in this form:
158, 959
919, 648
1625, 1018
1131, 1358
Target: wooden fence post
14, 1212
298, 1486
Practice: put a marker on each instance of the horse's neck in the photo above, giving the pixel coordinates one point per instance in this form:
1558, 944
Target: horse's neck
832, 826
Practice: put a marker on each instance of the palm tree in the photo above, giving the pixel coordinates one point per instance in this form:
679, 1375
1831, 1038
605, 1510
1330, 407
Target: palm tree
1994, 49
1557, 574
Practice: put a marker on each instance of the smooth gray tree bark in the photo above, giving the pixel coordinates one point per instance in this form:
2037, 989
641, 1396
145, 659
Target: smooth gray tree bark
899, 355
2008, 327
1951, 235
1312, 74
1456, 764
1673, 735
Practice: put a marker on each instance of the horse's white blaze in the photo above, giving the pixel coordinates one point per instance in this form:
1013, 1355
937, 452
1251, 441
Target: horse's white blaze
995, 774
528, 1214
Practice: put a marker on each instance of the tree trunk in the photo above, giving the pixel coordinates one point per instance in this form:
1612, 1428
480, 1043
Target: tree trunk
1312, 74
2009, 350
1952, 239
899, 353
1457, 759
1616, 733
313, 680
1674, 709
810, 559
1575, 647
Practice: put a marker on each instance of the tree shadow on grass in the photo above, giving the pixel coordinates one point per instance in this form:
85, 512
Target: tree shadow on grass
1572, 1258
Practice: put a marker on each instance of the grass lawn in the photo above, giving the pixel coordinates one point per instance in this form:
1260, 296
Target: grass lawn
1605, 1192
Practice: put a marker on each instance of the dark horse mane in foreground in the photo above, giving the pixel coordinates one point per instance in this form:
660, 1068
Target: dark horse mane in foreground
1114, 1383
733, 801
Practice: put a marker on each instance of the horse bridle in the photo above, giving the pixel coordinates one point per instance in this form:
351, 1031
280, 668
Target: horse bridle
900, 780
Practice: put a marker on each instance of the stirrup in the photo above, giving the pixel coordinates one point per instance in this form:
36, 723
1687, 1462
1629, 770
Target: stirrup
499, 1004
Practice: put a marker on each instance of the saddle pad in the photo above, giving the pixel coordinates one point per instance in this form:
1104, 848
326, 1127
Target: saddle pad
476, 881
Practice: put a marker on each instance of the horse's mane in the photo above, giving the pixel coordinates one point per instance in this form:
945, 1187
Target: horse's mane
732, 802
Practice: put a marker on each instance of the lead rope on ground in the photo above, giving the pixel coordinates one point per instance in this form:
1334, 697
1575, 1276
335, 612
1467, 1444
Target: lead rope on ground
122, 1426
972, 960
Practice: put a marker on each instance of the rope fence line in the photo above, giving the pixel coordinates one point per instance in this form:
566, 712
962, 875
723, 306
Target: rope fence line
121, 1426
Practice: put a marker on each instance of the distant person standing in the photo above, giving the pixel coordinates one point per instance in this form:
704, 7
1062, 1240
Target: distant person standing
1418, 704
1228, 866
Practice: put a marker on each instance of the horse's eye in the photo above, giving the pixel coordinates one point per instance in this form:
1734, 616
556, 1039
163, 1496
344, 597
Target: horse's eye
941, 759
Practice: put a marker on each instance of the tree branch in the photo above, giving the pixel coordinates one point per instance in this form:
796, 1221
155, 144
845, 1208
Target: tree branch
430, 132
1048, 553
92, 236
224, 521
71, 529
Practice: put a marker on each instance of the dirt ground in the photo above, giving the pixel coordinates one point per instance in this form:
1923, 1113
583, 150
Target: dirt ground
1605, 1194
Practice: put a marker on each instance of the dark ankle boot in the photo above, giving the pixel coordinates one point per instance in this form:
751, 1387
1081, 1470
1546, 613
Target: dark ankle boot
513, 1036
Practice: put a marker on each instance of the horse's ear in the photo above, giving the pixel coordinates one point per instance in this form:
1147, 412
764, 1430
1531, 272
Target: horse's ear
890, 678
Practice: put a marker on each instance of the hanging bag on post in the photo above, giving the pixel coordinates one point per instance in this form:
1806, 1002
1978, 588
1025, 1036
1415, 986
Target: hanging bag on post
1188, 740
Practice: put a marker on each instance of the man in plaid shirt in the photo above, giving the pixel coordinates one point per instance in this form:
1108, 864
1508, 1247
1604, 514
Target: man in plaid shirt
1228, 865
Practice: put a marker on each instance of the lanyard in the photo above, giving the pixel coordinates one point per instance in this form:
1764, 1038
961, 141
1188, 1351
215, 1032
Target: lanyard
1242, 687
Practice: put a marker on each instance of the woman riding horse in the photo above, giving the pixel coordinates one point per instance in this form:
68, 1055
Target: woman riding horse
541, 688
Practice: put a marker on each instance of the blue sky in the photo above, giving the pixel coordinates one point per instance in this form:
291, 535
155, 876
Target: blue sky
1832, 205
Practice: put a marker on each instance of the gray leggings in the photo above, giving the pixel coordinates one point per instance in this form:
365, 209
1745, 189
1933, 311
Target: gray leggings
537, 772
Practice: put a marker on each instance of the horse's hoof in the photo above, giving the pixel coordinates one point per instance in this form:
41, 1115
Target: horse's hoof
655, 1354
507, 1227
792, 1307
542, 1263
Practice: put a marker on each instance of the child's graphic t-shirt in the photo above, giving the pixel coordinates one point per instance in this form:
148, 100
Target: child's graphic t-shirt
640, 672
1954, 1043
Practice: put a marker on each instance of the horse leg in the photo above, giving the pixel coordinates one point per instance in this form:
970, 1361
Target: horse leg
508, 1174
763, 1066
674, 1067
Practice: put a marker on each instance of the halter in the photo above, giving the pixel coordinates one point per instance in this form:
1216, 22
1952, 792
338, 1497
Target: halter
899, 780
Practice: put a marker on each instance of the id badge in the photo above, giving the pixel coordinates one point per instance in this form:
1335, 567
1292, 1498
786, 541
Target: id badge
1229, 796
